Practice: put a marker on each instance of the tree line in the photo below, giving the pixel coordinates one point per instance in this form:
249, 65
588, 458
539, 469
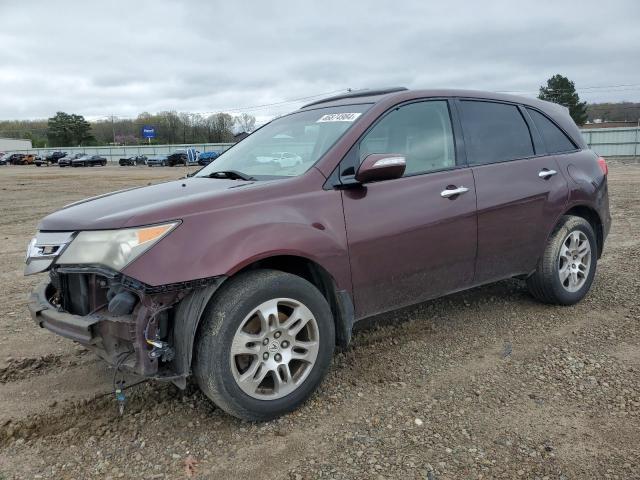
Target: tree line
66, 130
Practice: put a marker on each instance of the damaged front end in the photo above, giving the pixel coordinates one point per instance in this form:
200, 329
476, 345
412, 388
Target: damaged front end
145, 330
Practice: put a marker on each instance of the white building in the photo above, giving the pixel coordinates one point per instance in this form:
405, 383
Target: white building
10, 144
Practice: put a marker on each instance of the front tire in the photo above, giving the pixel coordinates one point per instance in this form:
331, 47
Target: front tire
568, 266
264, 345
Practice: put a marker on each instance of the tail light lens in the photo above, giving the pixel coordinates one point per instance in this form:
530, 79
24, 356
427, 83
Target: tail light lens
603, 165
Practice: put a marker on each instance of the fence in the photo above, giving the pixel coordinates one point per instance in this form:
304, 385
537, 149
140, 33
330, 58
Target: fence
113, 154
614, 142
608, 142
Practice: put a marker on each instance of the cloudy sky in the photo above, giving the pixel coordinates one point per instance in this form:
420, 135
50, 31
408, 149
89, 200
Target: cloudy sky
124, 57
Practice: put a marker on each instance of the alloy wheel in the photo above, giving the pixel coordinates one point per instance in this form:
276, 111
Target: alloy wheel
274, 349
574, 261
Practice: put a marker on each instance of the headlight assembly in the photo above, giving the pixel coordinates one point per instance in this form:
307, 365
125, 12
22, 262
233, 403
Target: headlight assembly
113, 248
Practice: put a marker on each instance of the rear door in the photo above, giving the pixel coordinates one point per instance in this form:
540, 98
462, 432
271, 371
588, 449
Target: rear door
520, 190
408, 242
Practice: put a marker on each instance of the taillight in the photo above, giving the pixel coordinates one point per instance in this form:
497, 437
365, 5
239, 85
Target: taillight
603, 165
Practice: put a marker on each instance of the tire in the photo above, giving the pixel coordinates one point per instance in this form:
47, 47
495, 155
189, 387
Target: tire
555, 280
216, 368
103, 163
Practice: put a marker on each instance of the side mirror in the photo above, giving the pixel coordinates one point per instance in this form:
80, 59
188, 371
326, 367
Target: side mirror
381, 166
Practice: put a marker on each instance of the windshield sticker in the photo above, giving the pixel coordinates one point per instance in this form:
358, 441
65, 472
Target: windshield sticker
338, 117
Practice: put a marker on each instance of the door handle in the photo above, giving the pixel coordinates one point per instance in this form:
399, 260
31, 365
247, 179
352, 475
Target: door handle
453, 191
546, 173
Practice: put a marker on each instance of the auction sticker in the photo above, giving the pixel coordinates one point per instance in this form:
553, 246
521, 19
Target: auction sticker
338, 117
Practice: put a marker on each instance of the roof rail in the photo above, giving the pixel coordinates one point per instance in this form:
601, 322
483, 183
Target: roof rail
358, 93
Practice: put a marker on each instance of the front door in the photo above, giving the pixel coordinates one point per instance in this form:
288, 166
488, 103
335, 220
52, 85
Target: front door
411, 239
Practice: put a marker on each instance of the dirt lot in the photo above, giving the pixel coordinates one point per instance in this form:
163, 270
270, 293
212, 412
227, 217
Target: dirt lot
483, 384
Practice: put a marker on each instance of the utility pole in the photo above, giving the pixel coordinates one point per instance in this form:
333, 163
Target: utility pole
635, 147
113, 129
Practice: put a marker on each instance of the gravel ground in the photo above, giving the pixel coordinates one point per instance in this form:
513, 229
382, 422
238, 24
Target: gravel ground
482, 384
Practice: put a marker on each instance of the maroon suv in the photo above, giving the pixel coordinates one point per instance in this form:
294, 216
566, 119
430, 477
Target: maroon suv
249, 273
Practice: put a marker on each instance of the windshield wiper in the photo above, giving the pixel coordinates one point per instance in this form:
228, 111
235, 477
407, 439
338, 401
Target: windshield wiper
232, 174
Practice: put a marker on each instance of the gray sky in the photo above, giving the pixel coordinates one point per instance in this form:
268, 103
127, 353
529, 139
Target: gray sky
125, 57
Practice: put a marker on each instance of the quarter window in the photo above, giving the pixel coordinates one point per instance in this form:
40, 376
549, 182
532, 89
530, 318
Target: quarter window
554, 139
420, 131
494, 132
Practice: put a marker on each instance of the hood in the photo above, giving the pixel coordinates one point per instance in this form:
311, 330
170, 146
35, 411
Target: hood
144, 205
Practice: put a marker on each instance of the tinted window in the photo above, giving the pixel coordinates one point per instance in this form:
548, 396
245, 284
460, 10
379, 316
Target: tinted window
420, 131
494, 132
554, 138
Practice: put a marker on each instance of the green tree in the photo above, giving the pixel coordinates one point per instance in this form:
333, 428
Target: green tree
561, 90
69, 130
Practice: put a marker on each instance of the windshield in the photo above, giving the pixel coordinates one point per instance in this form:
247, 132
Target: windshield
288, 146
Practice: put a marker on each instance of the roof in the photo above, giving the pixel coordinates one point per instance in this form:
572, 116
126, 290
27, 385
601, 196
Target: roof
389, 97
402, 94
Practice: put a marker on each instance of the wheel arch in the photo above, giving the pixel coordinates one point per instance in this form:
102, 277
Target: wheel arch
189, 311
339, 301
590, 215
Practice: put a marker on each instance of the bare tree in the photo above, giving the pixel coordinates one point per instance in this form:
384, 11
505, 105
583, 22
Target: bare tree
245, 122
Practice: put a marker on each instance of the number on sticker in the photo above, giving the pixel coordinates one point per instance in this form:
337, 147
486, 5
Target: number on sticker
338, 117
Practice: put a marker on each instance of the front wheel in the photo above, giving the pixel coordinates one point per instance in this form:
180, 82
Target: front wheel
566, 270
264, 345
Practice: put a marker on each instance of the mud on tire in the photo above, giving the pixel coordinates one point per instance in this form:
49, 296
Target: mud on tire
232, 308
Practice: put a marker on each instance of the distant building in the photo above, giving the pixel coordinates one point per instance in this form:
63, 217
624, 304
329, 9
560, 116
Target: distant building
240, 136
598, 123
10, 144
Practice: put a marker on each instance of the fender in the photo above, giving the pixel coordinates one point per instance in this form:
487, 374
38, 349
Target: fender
185, 325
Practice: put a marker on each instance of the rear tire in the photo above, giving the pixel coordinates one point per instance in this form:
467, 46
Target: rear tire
566, 270
257, 365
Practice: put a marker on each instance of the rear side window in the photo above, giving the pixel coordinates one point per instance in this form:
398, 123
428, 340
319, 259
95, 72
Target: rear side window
420, 131
494, 132
555, 139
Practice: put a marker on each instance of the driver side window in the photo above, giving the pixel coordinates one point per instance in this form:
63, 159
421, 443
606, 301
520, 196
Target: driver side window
421, 131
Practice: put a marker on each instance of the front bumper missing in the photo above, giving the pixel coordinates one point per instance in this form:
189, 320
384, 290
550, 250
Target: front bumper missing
119, 340
168, 312
65, 324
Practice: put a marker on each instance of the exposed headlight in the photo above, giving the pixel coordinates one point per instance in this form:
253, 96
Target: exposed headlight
113, 248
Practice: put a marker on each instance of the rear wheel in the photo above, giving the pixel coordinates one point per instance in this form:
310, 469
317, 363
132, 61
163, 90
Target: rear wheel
566, 270
265, 343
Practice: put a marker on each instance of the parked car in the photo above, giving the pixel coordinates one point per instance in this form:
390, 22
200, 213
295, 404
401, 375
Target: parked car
206, 158
157, 161
66, 161
50, 159
248, 274
132, 161
15, 159
28, 159
89, 161
179, 157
